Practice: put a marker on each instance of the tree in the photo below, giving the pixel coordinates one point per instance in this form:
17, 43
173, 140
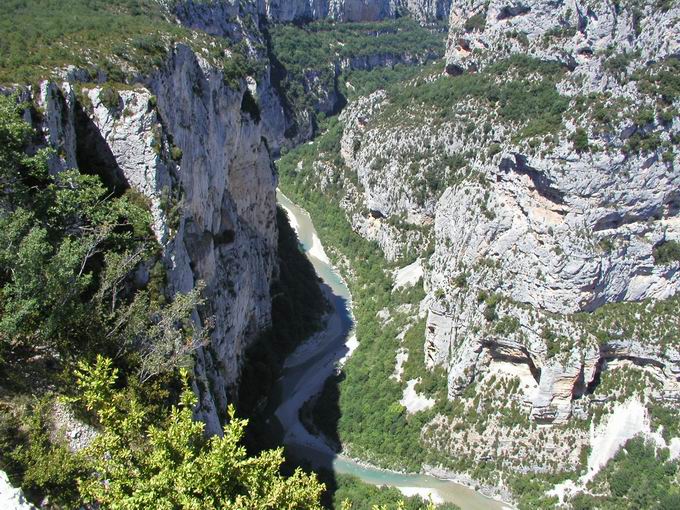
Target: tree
173, 465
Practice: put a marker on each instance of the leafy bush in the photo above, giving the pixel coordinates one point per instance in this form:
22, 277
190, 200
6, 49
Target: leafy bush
535, 105
109, 97
476, 23
667, 252
618, 64
172, 463
639, 476
176, 153
661, 79
47, 468
579, 139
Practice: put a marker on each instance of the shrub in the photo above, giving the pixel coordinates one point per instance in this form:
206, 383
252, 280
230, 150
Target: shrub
618, 64
176, 153
173, 464
579, 140
476, 23
667, 252
109, 97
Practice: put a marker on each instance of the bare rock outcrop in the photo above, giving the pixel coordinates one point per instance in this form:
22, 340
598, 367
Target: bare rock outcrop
560, 233
184, 140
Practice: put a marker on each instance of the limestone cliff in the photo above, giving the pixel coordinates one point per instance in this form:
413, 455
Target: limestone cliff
570, 229
196, 147
542, 164
354, 10
195, 133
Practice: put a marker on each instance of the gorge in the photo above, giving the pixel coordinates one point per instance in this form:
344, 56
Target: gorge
495, 182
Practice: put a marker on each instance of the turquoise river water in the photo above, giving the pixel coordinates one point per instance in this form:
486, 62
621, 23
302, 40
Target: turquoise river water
310, 365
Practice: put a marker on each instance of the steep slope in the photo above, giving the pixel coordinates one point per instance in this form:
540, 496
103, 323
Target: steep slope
575, 220
354, 10
187, 132
211, 192
536, 180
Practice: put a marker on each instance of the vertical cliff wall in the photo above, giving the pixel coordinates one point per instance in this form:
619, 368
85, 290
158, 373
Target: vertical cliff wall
354, 10
188, 142
560, 227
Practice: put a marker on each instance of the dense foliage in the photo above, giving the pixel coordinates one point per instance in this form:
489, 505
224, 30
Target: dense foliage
172, 464
324, 57
352, 494
667, 252
639, 476
69, 247
318, 45
371, 421
522, 89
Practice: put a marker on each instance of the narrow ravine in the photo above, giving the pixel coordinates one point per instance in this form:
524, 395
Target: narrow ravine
312, 363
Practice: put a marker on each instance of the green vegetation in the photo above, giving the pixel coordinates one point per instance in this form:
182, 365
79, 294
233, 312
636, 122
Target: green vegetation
655, 320
618, 64
667, 418
661, 79
667, 252
316, 46
639, 476
476, 23
72, 302
358, 83
520, 88
306, 56
39, 36
171, 463
366, 497
45, 466
579, 139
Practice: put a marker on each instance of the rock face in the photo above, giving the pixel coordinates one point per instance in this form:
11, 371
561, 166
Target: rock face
222, 13
544, 240
568, 232
573, 32
354, 10
200, 149
12, 498
185, 141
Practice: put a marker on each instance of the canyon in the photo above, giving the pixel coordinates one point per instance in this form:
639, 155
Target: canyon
526, 184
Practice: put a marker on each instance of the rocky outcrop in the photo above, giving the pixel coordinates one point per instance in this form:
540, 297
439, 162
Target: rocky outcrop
559, 231
574, 32
326, 93
12, 498
187, 143
222, 15
200, 149
354, 10
544, 243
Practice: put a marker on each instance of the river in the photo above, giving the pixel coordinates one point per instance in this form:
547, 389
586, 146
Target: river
312, 363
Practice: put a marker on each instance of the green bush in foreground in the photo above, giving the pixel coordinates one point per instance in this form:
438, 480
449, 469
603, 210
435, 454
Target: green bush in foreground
171, 464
